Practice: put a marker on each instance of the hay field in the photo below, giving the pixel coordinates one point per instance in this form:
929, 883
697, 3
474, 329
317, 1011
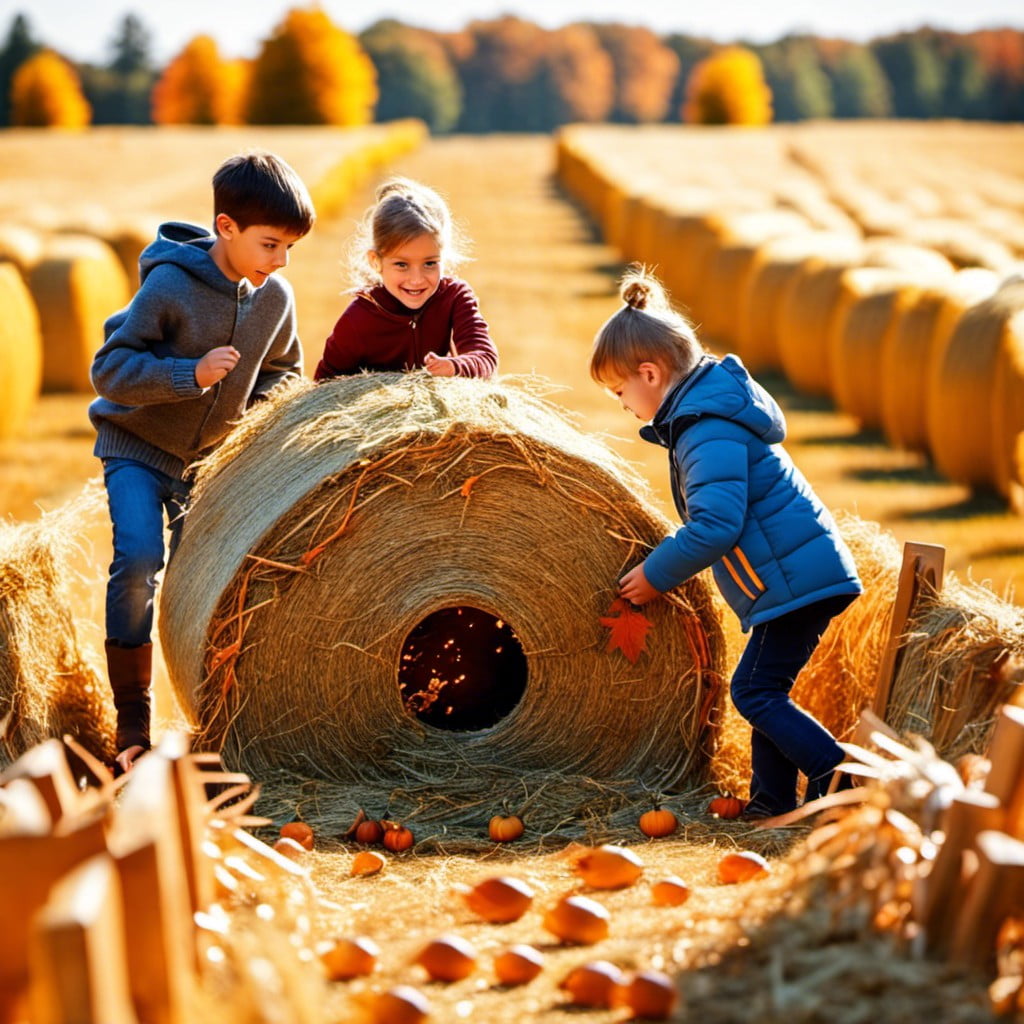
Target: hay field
545, 285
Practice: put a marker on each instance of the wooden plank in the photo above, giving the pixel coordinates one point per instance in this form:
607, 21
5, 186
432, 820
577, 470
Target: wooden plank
1006, 776
46, 766
77, 951
920, 577
995, 892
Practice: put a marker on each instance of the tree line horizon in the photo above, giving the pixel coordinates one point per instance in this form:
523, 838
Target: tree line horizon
510, 75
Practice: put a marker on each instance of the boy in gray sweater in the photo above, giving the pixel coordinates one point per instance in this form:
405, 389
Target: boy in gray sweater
210, 331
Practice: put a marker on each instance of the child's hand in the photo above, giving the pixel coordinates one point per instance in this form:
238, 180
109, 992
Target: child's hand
635, 588
216, 365
437, 365
127, 757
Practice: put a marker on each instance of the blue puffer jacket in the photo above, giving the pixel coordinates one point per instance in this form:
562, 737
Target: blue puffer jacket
747, 510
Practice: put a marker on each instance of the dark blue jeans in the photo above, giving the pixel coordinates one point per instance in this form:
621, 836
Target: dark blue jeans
784, 738
139, 497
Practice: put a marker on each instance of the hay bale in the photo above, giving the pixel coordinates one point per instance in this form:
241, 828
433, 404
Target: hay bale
962, 242
21, 352
47, 686
916, 343
962, 416
382, 500
1008, 396
869, 304
77, 283
775, 266
21, 246
739, 238
128, 238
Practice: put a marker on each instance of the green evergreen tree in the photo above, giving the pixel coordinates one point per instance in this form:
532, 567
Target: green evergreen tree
18, 47
915, 72
860, 87
800, 88
691, 51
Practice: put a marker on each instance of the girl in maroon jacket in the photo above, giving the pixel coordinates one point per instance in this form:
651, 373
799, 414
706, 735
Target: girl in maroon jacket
407, 313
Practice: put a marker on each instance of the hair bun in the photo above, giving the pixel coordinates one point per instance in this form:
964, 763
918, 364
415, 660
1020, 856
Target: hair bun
636, 291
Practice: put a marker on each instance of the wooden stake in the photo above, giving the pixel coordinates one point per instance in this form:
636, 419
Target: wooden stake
46, 766
1006, 777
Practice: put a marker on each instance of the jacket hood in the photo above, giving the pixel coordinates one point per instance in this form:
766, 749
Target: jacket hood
722, 388
187, 246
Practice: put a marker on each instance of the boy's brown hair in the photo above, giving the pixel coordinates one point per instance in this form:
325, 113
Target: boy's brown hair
260, 188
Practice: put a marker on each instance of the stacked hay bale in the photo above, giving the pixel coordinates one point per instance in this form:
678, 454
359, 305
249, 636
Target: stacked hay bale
21, 352
917, 343
47, 686
77, 283
972, 424
338, 518
21, 246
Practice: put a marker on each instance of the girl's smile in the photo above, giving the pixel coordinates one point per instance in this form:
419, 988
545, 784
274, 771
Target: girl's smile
412, 272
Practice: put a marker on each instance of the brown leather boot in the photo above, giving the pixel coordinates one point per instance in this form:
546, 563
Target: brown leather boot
130, 670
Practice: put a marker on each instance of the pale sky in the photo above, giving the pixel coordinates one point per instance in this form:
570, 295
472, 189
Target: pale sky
83, 29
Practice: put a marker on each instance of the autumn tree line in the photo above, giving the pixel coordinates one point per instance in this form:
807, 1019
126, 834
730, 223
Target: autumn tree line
508, 74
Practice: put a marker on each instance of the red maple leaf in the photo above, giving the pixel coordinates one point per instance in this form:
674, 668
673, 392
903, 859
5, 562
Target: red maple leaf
629, 628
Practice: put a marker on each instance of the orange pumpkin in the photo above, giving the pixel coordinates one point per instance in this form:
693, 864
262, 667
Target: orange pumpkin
499, 899
367, 862
290, 848
592, 984
727, 806
577, 919
518, 964
300, 832
504, 828
658, 822
369, 832
742, 866
449, 958
651, 995
345, 959
402, 1004
396, 836
670, 892
609, 867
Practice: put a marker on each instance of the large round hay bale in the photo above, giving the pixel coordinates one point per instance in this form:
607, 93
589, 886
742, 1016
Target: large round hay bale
21, 352
962, 389
775, 265
1008, 395
739, 238
340, 522
900, 255
916, 343
964, 244
869, 304
21, 246
128, 237
47, 687
77, 283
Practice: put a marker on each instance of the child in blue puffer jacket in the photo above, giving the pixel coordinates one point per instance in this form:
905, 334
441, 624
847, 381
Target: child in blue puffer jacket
748, 513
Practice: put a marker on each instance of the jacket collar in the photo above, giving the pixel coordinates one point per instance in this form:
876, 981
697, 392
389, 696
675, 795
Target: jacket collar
662, 428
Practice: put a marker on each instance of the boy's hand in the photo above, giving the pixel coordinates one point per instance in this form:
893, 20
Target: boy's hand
437, 365
216, 365
127, 757
635, 588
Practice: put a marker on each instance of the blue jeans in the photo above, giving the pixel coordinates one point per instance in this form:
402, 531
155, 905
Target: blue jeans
139, 497
784, 738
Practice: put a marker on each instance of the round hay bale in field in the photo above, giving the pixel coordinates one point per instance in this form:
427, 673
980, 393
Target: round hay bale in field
128, 238
398, 582
961, 400
47, 687
917, 342
869, 304
21, 246
21, 352
962, 660
77, 283
963, 243
1008, 395
775, 265
740, 237
913, 259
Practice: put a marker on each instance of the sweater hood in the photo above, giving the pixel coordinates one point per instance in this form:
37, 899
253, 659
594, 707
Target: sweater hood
722, 388
187, 246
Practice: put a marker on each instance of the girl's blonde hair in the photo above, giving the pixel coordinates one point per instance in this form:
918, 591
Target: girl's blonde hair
646, 330
402, 210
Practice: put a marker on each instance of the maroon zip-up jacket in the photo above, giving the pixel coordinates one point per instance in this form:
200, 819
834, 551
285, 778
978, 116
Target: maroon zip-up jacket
376, 332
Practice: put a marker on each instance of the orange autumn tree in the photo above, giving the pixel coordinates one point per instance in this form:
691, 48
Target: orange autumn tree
46, 93
645, 72
197, 87
728, 87
312, 72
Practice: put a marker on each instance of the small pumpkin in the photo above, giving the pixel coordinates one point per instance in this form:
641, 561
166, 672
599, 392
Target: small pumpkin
658, 822
609, 867
650, 995
290, 848
449, 958
670, 892
503, 828
344, 959
727, 806
300, 832
402, 1004
592, 984
367, 862
397, 837
499, 899
369, 832
742, 866
577, 919
518, 964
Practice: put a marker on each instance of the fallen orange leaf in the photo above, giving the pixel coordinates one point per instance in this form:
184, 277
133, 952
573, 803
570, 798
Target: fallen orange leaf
629, 629
467, 487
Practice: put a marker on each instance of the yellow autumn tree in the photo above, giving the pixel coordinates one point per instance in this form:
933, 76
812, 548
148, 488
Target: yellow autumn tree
46, 93
194, 86
310, 71
728, 87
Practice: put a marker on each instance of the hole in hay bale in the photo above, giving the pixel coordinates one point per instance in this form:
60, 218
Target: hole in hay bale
462, 669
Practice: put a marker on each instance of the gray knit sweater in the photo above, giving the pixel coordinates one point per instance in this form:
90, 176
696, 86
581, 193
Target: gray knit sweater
150, 407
